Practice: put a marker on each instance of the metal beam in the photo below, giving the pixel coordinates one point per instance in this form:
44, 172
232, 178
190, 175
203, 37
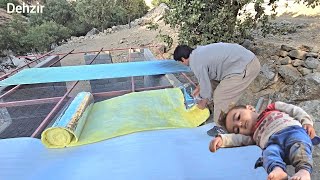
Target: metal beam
18, 86
82, 52
132, 78
11, 72
46, 121
57, 99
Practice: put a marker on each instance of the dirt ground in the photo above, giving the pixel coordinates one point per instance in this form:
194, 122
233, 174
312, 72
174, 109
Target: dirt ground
307, 35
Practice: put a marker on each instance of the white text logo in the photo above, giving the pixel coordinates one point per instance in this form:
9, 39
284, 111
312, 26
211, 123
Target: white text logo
25, 8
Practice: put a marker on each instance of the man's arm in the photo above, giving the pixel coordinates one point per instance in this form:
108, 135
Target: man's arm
204, 86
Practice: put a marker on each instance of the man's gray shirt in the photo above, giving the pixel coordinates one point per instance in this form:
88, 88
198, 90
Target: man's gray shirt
217, 61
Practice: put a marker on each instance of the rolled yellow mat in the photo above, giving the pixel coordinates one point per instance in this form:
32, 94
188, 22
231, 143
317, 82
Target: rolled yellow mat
84, 122
69, 124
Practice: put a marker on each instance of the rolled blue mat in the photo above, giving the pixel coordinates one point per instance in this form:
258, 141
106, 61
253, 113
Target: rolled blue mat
92, 72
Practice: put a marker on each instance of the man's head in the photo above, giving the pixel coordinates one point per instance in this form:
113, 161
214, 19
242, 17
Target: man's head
239, 119
182, 53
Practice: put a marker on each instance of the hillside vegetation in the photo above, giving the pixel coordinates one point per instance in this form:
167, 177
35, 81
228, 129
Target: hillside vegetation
61, 19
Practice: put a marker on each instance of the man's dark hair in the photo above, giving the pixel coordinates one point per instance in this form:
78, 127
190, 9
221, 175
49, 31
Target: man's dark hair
223, 116
182, 51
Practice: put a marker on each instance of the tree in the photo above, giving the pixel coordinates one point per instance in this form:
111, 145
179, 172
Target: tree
96, 12
208, 21
3, 3
39, 38
158, 2
61, 12
11, 34
134, 9
58, 11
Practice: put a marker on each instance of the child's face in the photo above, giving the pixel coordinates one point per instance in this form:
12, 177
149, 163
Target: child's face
241, 121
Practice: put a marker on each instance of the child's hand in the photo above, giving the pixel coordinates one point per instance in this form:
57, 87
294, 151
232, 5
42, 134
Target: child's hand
310, 130
215, 144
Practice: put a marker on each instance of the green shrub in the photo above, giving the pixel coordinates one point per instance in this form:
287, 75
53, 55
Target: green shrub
209, 21
12, 33
3, 3
158, 2
39, 38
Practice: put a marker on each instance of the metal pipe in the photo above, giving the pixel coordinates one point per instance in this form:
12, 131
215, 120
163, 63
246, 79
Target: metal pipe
132, 79
61, 58
16, 87
57, 99
6, 75
122, 92
30, 102
81, 52
12, 90
45, 122
193, 83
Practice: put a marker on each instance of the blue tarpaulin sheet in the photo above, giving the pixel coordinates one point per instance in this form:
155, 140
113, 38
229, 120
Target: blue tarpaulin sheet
92, 72
161, 154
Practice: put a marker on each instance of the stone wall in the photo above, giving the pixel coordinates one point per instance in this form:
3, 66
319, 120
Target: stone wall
293, 72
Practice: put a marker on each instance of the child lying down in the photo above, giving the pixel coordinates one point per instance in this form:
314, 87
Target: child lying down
283, 131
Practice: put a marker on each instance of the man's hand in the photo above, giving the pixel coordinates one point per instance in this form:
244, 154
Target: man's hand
202, 103
215, 144
310, 130
196, 91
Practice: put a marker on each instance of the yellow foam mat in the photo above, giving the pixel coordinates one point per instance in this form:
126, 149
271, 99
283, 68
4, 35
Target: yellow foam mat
138, 111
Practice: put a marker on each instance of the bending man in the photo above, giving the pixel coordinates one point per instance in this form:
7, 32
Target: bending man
223, 71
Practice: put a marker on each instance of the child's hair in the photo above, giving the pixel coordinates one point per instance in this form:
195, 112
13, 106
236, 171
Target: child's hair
223, 115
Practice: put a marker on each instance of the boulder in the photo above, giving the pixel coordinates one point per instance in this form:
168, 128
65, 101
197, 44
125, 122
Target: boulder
286, 48
298, 54
297, 62
53, 46
267, 72
312, 54
92, 32
305, 48
247, 43
306, 88
282, 53
260, 82
114, 28
316, 70
312, 63
312, 108
285, 61
109, 30
305, 71
289, 74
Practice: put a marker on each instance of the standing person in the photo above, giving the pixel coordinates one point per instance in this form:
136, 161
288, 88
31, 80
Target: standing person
223, 70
